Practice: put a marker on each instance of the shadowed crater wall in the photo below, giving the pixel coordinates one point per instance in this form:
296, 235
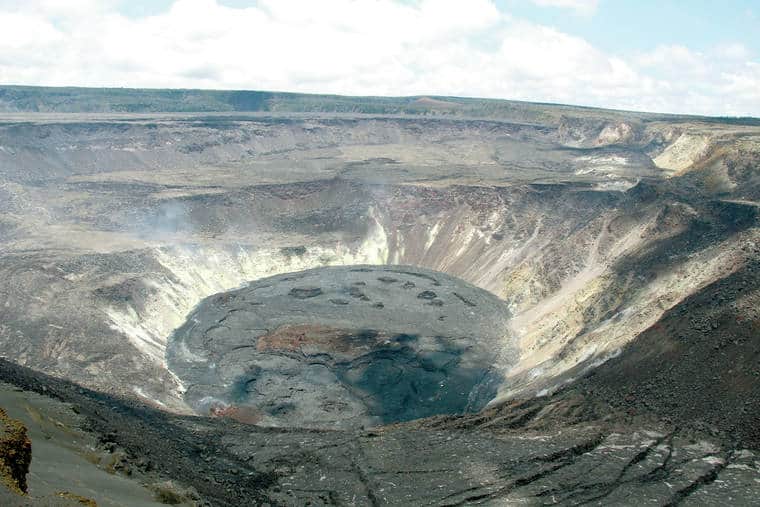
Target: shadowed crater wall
341, 347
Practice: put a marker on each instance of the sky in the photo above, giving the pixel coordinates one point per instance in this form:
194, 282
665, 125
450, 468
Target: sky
687, 56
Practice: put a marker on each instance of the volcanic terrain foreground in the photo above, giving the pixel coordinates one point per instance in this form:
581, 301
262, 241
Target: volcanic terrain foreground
511, 455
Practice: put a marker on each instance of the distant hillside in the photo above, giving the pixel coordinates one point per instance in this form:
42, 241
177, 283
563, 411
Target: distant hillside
124, 100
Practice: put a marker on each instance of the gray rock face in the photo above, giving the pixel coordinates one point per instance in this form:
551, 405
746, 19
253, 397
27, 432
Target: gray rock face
342, 347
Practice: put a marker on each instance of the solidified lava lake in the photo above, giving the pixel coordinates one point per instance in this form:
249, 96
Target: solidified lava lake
341, 347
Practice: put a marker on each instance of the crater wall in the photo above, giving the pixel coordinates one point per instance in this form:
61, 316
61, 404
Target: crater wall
115, 229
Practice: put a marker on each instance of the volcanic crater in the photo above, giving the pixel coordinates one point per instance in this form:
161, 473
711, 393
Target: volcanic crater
525, 302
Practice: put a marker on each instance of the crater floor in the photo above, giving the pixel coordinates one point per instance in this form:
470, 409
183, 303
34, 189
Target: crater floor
341, 347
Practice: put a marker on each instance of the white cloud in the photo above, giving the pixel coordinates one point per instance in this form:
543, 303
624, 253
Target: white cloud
364, 47
722, 80
21, 31
580, 6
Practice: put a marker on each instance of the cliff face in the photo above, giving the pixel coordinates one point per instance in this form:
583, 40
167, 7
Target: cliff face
15, 453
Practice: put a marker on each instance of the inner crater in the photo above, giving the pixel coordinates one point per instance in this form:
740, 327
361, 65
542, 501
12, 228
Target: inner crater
344, 347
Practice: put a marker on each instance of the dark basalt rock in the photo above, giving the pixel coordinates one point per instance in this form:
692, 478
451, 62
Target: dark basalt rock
355, 292
464, 300
301, 293
299, 360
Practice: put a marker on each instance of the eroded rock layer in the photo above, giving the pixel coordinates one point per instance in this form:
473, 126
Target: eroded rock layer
343, 347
